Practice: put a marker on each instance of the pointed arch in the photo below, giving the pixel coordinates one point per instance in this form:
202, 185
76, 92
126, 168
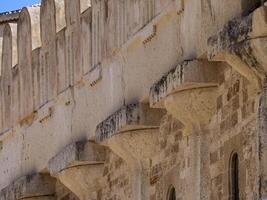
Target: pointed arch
171, 193
234, 176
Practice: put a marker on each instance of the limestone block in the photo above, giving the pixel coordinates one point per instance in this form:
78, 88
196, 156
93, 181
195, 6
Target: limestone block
185, 76
129, 118
38, 186
242, 44
188, 92
78, 153
79, 167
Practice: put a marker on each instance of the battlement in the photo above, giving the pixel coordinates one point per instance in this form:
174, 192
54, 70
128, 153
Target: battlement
50, 47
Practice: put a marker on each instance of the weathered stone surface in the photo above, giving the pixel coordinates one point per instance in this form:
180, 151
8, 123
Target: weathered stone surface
78, 153
213, 109
188, 92
79, 167
38, 186
186, 76
129, 118
242, 43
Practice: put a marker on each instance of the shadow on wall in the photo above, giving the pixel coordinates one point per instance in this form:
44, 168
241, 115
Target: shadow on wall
249, 5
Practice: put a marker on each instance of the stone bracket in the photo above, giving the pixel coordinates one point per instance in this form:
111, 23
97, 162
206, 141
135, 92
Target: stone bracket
37, 186
79, 167
242, 44
188, 92
131, 117
132, 134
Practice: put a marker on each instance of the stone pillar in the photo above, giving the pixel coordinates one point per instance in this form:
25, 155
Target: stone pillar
80, 167
189, 93
132, 134
30, 187
242, 44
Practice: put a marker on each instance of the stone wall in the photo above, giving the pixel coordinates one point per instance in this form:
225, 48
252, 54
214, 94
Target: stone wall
121, 100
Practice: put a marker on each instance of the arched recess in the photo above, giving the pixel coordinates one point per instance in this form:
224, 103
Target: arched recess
9, 59
48, 51
234, 177
28, 40
73, 40
171, 193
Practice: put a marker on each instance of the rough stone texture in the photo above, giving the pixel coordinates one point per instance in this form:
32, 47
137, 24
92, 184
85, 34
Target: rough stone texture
40, 186
79, 167
129, 118
79, 153
195, 68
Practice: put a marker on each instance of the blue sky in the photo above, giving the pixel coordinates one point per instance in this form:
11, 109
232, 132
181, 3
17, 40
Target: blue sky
8, 5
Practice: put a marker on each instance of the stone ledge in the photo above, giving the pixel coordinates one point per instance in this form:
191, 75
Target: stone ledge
129, 118
242, 44
77, 154
37, 185
188, 75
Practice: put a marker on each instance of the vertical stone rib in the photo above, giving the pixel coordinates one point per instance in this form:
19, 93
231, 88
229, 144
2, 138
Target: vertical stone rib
6, 80
48, 51
73, 45
28, 39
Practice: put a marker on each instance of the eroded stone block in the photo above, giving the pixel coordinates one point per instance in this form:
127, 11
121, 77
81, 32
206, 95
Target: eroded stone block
131, 117
186, 76
78, 153
30, 187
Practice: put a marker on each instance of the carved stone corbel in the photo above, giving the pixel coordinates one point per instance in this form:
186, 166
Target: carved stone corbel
80, 168
242, 43
132, 134
189, 93
30, 187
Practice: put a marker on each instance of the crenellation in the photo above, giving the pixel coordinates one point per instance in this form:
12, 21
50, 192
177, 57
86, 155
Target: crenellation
6, 73
195, 70
48, 50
